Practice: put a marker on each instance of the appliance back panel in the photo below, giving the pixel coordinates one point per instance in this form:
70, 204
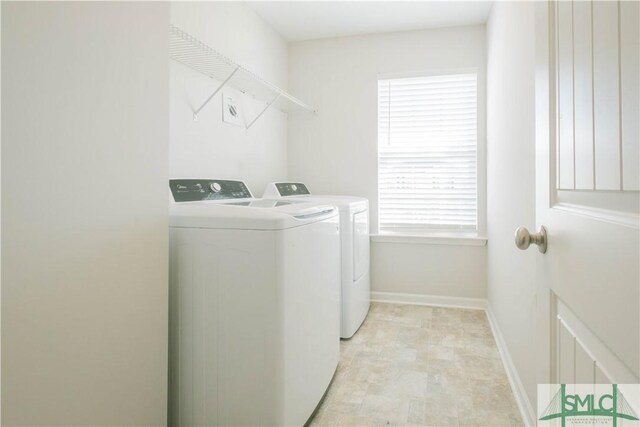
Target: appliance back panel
292, 189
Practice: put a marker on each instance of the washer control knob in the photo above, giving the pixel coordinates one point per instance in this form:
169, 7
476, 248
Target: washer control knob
294, 187
215, 187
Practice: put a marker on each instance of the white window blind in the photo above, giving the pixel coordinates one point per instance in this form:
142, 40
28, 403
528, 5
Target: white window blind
427, 153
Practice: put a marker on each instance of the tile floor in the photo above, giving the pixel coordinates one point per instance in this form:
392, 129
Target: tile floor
420, 366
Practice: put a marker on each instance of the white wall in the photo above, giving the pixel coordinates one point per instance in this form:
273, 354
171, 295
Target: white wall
335, 152
511, 180
84, 213
209, 148
429, 269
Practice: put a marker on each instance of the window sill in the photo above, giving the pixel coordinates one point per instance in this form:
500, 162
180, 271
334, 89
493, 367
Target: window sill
451, 239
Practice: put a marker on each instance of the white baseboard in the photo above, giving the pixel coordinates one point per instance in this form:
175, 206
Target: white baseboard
524, 405
519, 393
434, 300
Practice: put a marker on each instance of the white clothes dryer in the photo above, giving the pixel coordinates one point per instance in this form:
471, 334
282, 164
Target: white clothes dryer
355, 247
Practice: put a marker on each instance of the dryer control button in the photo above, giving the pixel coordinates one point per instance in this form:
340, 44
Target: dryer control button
215, 187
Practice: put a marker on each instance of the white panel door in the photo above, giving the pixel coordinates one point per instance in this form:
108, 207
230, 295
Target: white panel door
582, 87
588, 280
630, 92
606, 94
565, 96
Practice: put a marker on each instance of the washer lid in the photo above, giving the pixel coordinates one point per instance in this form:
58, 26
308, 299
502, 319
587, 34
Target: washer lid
224, 204
253, 214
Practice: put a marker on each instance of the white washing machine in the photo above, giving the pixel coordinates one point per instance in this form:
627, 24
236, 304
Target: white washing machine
354, 235
254, 306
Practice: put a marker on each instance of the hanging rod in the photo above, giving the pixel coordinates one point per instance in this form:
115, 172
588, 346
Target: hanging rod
200, 57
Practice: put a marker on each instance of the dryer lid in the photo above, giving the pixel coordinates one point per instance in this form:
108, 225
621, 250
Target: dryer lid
299, 192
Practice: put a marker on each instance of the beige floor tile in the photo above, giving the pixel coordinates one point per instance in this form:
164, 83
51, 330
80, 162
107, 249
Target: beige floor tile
328, 418
404, 384
420, 366
447, 335
355, 421
394, 410
484, 347
440, 421
484, 418
441, 352
399, 353
415, 337
441, 409
417, 411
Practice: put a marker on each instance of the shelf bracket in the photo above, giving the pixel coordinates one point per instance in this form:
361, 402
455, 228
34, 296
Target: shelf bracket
195, 113
263, 111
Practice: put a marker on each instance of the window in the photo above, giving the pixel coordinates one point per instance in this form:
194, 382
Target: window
427, 153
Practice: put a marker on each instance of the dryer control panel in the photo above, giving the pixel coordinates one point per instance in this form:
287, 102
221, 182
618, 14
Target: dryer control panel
193, 190
292, 189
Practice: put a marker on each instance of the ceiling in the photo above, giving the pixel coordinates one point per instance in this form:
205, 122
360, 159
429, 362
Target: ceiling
305, 20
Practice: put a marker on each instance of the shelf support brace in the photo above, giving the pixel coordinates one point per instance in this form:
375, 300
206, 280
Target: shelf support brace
263, 111
195, 113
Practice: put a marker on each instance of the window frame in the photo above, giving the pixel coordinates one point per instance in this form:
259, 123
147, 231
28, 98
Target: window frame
481, 161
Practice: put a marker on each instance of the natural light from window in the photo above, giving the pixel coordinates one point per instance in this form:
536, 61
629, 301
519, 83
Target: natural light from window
427, 153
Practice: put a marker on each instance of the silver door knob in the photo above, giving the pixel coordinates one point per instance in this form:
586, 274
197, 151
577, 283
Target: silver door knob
524, 239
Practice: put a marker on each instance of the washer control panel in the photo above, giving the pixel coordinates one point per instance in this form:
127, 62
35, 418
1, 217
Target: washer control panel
193, 190
292, 189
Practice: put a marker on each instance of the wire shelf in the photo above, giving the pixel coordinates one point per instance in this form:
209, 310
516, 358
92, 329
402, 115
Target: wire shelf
195, 54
